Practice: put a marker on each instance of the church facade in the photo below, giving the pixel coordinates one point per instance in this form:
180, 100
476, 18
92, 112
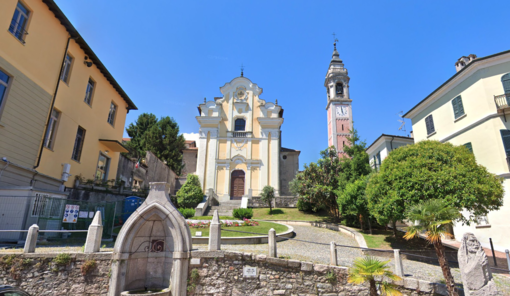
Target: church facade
239, 146
339, 108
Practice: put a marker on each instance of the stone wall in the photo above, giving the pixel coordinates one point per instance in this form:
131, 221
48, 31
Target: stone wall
289, 167
221, 273
279, 202
38, 274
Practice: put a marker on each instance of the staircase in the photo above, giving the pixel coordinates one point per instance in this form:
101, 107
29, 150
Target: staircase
225, 208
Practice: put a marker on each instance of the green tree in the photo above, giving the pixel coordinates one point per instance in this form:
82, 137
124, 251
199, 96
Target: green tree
317, 183
353, 201
160, 137
267, 196
432, 170
433, 217
190, 194
370, 269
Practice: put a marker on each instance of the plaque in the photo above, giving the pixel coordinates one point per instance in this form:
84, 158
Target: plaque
198, 233
249, 272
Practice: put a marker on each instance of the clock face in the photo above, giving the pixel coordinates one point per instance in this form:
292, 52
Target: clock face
342, 111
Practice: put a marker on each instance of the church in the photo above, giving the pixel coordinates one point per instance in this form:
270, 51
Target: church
239, 146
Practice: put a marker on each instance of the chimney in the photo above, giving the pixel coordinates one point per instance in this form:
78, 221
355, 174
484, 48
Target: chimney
464, 61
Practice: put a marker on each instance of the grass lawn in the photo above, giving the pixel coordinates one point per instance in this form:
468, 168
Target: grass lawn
384, 239
262, 229
288, 214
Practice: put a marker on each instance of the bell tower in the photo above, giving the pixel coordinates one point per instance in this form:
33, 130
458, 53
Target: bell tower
339, 103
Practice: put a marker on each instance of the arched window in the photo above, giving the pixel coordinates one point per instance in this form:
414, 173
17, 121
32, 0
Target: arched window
240, 125
506, 83
339, 89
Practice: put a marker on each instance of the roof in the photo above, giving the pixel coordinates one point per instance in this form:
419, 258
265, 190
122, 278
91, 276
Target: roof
468, 66
88, 51
385, 135
126, 139
283, 149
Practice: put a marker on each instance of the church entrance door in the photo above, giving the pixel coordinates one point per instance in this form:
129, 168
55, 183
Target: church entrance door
237, 185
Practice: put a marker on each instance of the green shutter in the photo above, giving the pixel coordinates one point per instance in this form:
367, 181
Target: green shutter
429, 124
458, 108
505, 135
506, 83
469, 147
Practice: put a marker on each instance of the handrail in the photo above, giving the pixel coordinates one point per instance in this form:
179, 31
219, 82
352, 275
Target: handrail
18, 32
502, 101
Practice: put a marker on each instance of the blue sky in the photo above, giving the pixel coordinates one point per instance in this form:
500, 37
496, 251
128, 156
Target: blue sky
169, 55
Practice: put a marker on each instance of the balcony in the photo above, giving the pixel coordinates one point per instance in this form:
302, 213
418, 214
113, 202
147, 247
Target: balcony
502, 102
241, 134
18, 31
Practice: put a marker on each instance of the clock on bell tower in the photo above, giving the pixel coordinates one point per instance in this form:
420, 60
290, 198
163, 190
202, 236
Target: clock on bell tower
339, 103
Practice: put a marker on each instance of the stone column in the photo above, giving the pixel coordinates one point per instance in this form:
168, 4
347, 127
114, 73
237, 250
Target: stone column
275, 161
212, 151
264, 157
202, 144
93, 242
333, 254
31, 241
271, 241
215, 233
247, 188
399, 268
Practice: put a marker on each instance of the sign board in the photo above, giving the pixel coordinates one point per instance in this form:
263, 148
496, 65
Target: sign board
71, 214
198, 233
91, 215
83, 214
249, 272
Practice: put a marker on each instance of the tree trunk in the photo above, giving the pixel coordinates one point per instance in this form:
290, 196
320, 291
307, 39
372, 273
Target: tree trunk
369, 225
361, 222
394, 226
450, 283
373, 288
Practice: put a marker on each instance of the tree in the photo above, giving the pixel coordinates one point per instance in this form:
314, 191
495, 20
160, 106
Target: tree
267, 196
434, 216
190, 194
160, 137
317, 183
432, 170
367, 269
353, 201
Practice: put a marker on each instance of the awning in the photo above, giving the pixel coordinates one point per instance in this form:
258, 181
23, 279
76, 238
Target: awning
113, 145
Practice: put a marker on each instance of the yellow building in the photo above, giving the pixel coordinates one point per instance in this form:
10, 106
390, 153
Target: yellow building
472, 108
239, 150
61, 111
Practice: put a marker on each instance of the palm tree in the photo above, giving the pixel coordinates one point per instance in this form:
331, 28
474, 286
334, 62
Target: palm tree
433, 217
366, 269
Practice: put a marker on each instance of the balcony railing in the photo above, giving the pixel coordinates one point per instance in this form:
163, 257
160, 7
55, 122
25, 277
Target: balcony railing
502, 101
240, 134
18, 31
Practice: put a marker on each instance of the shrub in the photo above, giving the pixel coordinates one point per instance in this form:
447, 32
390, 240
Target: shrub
62, 259
88, 266
190, 194
187, 213
242, 213
304, 206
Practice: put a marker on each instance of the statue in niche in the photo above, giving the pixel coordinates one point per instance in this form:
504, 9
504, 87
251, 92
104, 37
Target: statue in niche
474, 268
339, 89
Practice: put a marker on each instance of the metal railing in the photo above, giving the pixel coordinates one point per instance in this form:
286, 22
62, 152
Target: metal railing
18, 31
240, 134
502, 101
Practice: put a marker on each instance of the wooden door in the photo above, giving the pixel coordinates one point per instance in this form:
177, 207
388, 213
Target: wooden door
237, 185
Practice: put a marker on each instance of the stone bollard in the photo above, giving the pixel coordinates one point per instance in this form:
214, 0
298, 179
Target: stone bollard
215, 233
31, 240
399, 268
507, 259
271, 242
333, 254
93, 242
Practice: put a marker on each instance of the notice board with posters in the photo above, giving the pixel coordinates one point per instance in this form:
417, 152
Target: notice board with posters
71, 214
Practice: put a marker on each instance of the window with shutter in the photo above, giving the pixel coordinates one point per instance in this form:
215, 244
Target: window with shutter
469, 147
429, 122
506, 83
458, 108
505, 135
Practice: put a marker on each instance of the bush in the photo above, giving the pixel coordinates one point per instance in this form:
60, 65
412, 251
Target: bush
88, 266
62, 259
190, 194
242, 213
187, 213
304, 206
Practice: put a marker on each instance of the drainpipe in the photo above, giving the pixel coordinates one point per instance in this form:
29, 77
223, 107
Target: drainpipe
53, 102
5, 167
391, 143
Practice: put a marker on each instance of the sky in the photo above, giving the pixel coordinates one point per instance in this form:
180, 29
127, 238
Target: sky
170, 55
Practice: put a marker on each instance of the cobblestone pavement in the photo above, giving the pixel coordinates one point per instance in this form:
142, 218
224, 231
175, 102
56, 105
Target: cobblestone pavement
320, 254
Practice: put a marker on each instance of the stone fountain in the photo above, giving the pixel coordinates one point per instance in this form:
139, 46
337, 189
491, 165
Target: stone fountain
152, 250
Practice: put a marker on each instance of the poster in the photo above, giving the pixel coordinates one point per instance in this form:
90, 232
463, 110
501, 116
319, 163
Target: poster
83, 214
71, 214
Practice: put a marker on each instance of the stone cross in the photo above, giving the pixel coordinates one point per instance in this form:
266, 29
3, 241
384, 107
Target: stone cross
215, 233
93, 242
474, 268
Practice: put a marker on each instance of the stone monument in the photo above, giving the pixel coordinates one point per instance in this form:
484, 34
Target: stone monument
474, 268
152, 250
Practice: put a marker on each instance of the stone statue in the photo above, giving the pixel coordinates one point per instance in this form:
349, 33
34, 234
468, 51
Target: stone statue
474, 268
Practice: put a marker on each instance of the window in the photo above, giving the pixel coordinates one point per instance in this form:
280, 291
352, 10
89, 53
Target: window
49, 138
39, 205
240, 125
469, 147
482, 222
102, 167
89, 92
4, 83
339, 89
111, 114
505, 135
458, 108
78, 143
47, 207
429, 122
67, 68
19, 22
506, 83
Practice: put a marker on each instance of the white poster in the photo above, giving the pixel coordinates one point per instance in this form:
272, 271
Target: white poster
83, 214
71, 214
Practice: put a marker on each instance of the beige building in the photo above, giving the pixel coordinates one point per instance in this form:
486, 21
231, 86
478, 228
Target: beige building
239, 149
382, 146
472, 108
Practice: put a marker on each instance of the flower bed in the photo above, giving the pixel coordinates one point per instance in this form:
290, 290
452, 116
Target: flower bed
226, 223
